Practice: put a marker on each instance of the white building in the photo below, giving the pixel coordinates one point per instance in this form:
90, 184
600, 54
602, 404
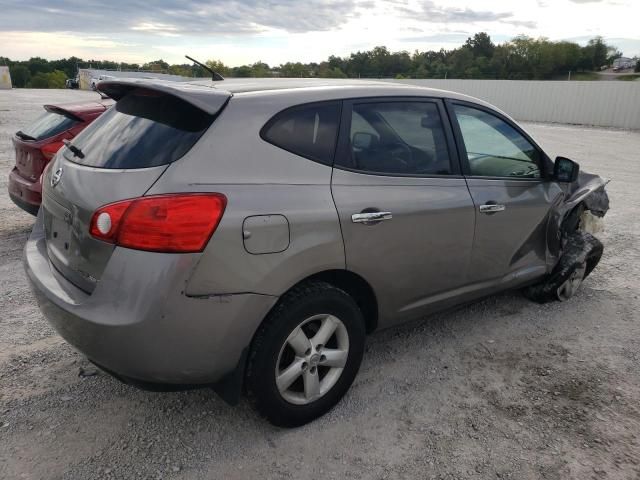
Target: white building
624, 62
5, 78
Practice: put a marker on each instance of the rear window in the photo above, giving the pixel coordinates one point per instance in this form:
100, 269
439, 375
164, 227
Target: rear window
47, 125
143, 129
306, 130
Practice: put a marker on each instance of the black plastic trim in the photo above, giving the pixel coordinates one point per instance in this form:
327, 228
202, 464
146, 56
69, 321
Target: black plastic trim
26, 206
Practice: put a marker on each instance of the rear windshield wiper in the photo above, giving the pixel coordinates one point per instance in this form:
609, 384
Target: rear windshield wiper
24, 136
75, 150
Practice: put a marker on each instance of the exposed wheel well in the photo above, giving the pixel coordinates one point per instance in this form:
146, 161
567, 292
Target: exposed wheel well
357, 287
571, 221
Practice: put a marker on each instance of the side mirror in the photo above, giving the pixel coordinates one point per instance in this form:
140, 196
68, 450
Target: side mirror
363, 140
565, 170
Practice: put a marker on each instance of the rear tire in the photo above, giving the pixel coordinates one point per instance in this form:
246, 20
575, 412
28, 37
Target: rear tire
305, 355
581, 254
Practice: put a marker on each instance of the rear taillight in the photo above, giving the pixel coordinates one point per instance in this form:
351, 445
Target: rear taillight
174, 223
49, 150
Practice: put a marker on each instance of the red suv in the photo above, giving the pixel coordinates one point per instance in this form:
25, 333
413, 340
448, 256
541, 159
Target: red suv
39, 142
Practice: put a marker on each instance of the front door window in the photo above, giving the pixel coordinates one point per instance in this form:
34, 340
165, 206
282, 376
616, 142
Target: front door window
495, 148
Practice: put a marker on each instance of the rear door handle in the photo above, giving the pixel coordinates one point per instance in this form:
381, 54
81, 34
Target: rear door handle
492, 208
370, 217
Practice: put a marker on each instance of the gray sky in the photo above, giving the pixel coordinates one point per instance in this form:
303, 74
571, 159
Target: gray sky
276, 31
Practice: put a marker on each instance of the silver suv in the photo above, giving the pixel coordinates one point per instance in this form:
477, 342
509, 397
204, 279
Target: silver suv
248, 235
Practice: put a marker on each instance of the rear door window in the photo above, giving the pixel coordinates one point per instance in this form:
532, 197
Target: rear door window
398, 138
48, 125
306, 130
143, 129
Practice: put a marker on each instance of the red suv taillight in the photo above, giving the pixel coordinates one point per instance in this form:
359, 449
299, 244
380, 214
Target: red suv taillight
49, 151
173, 223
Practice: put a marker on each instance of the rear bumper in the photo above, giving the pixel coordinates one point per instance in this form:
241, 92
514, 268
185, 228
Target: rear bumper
139, 325
24, 193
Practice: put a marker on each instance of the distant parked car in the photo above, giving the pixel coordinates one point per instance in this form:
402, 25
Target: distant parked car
100, 78
73, 83
248, 236
39, 142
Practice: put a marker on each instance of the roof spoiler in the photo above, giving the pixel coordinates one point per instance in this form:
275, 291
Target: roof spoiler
207, 98
62, 111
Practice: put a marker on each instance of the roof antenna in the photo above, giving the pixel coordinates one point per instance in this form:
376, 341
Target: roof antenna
215, 76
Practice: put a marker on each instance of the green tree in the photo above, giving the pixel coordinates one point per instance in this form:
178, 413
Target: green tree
243, 71
156, 66
294, 70
38, 65
39, 80
461, 60
219, 67
129, 66
20, 75
182, 70
337, 73
480, 45
56, 79
260, 69
600, 52
520, 58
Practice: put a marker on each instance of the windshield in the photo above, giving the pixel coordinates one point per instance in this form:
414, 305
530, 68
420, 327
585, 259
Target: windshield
143, 129
47, 125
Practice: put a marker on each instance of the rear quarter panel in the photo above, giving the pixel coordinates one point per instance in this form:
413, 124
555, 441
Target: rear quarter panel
258, 179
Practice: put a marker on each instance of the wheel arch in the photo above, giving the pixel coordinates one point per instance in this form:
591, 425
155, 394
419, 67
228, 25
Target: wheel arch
354, 285
358, 288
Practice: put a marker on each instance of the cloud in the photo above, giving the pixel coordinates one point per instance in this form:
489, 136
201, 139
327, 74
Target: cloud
23, 45
456, 38
428, 11
175, 17
521, 23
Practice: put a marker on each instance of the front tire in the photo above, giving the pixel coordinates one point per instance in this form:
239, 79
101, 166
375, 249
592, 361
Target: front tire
581, 255
306, 354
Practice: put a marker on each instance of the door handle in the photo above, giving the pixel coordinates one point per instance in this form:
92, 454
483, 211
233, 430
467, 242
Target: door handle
370, 217
492, 208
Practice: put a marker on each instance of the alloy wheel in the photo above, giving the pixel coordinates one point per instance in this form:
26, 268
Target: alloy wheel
570, 286
312, 359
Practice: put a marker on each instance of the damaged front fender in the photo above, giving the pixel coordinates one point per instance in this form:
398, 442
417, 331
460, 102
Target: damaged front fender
586, 194
589, 189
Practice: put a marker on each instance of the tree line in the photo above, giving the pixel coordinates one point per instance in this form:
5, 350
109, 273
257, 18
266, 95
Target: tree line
521, 58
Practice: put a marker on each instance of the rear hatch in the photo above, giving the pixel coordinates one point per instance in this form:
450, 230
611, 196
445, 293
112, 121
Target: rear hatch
51, 127
119, 156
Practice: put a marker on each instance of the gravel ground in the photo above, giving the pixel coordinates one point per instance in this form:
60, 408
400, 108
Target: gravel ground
504, 388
